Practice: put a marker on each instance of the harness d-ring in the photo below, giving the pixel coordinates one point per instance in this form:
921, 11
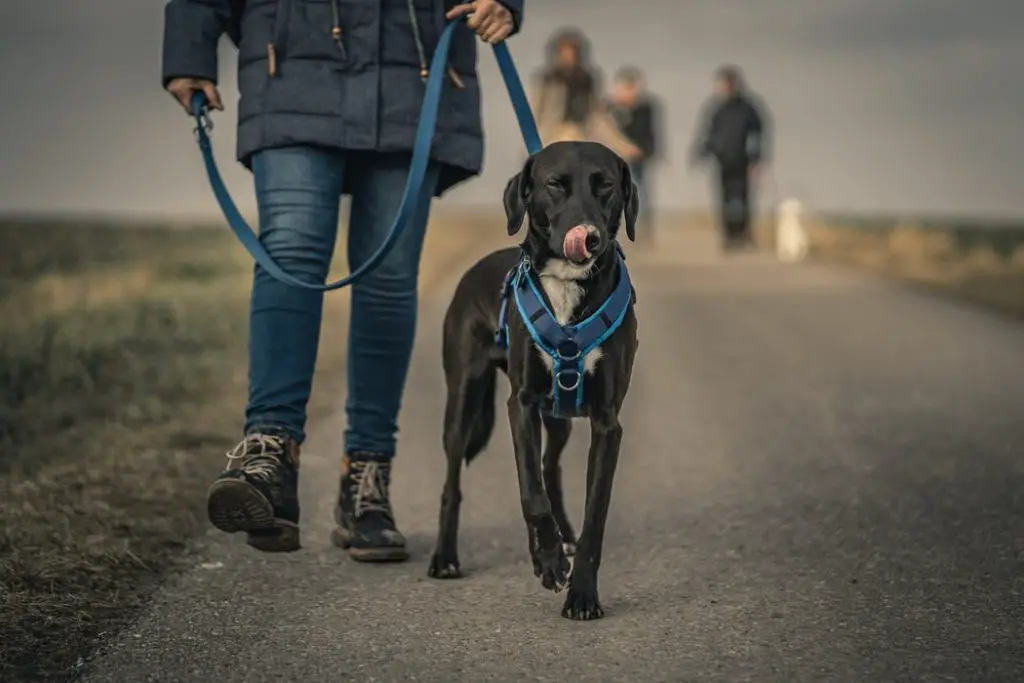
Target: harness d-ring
568, 351
568, 387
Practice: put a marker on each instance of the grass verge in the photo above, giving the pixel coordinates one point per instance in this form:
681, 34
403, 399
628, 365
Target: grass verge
978, 262
122, 378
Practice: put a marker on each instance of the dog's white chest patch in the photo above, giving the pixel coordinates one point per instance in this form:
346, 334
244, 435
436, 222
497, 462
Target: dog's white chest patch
560, 281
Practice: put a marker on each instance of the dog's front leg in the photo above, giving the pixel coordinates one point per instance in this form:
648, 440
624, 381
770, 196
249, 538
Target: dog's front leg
582, 602
549, 560
558, 431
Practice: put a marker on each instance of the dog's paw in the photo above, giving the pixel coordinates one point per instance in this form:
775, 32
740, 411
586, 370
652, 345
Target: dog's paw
582, 605
552, 566
442, 567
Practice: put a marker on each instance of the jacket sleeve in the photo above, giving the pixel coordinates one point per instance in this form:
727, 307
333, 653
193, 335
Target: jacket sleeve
648, 137
516, 8
700, 149
192, 29
758, 134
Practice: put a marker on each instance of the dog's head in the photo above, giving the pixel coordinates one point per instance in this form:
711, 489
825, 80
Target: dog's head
575, 195
790, 209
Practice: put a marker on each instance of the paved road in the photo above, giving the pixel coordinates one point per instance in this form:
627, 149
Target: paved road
822, 480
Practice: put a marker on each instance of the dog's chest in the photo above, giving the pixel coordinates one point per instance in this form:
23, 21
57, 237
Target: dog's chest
789, 227
564, 295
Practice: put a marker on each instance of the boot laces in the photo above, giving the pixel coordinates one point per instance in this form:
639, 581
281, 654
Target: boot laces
371, 482
258, 455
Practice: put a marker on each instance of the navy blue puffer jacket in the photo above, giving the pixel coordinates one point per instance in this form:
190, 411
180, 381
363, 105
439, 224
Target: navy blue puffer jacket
341, 74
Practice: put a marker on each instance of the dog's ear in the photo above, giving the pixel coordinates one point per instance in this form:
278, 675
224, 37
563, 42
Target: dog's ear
630, 200
517, 194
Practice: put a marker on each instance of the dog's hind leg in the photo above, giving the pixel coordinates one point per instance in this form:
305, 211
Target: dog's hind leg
558, 431
468, 423
582, 602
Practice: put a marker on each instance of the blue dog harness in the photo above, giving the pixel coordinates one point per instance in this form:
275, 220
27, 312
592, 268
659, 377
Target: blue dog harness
567, 345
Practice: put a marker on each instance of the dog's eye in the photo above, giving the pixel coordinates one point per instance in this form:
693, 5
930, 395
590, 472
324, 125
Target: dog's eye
602, 185
555, 185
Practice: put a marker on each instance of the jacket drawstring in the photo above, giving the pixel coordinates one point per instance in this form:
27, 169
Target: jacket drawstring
336, 29
421, 51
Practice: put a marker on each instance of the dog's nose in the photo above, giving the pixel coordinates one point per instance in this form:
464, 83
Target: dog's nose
580, 243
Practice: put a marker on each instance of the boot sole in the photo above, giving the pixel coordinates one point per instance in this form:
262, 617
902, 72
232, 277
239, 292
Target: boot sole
234, 505
341, 538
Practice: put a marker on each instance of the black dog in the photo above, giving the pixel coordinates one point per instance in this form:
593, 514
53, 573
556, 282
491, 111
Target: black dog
566, 338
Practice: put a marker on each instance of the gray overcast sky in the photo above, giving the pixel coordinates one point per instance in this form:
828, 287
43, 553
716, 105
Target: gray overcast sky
879, 104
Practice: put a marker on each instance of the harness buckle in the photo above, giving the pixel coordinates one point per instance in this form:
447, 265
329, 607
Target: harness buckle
564, 385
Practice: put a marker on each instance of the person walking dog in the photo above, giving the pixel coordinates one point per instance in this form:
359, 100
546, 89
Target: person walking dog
330, 99
734, 132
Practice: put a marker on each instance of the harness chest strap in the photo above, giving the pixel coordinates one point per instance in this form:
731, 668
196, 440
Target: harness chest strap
567, 345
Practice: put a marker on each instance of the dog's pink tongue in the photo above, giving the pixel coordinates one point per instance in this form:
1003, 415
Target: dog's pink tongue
575, 245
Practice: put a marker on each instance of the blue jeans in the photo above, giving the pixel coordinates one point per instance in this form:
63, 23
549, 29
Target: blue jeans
298, 191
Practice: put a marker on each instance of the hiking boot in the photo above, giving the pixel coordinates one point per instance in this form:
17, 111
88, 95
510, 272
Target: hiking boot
365, 521
258, 493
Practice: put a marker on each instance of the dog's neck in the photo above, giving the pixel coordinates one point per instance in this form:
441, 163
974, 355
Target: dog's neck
573, 292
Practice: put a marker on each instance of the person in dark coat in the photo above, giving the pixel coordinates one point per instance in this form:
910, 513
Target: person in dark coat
331, 92
734, 132
636, 115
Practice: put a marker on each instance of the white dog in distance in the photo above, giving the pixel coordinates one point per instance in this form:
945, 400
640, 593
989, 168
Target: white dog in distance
790, 236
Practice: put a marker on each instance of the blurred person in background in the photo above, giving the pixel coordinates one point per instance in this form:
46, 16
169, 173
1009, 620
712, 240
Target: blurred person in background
733, 131
566, 97
330, 101
635, 113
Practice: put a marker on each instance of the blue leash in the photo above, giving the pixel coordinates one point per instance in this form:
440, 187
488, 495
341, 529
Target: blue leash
417, 169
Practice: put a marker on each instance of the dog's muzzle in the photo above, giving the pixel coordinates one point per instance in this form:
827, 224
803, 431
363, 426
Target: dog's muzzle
580, 243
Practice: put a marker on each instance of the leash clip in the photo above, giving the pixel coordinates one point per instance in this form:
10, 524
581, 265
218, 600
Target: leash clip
201, 115
525, 265
204, 122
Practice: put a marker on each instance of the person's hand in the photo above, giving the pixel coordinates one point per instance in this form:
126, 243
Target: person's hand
181, 89
491, 20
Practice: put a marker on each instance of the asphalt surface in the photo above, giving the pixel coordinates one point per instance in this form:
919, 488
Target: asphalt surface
822, 479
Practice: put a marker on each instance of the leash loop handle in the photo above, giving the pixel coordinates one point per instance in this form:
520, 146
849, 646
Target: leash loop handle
414, 186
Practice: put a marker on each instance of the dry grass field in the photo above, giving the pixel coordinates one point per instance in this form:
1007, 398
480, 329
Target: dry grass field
984, 265
977, 261
122, 381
